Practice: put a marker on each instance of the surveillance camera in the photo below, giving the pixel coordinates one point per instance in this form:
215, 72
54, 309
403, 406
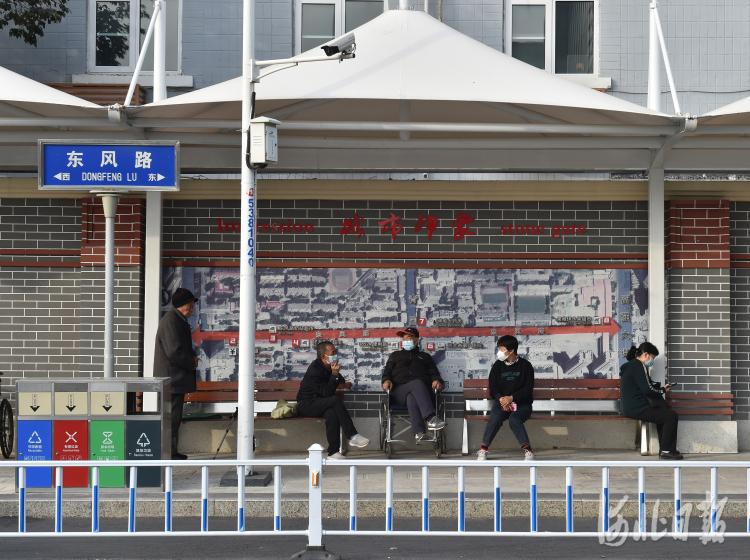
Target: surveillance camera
344, 44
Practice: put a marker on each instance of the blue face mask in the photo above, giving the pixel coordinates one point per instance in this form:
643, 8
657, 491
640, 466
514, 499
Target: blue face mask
408, 344
649, 363
333, 359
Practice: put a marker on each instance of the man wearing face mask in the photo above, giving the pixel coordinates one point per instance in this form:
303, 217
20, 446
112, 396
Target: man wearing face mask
411, 374
317, 399
512, 388
642, 399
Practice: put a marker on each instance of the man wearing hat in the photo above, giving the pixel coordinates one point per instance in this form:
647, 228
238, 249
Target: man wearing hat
410, 374
174, 356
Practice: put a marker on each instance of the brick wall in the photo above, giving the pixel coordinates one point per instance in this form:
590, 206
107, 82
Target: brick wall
130, 232
740, 308
619, 227
698, 234
45, 226
128, 346
39, 330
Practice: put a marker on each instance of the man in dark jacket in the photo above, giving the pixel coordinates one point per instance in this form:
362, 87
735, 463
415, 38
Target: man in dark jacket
411, 374
317, 399
511, 387
174, 356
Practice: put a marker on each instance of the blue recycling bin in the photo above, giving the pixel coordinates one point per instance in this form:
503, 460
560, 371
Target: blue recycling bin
35, 444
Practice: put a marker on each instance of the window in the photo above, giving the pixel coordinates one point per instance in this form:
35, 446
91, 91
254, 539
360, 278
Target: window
319, 21
117, 29
560, 36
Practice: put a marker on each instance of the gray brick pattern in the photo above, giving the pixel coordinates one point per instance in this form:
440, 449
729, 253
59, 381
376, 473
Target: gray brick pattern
708, 45
128, 321
612, 227
740, 341
40, 223
40, 326
699, 330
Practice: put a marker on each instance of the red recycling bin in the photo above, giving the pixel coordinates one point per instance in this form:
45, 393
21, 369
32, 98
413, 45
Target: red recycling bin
71, 442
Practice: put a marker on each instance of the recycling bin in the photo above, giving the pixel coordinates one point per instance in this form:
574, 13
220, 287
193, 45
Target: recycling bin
35, 444
108, 444
143, 442
71, 443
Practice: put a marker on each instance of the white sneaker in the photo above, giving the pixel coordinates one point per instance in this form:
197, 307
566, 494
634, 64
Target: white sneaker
359, 441
529, 455
418, 437
336, 456
435, 423
482, 455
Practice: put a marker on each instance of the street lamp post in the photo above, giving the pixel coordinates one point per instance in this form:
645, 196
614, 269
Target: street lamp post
338, 49
246, 377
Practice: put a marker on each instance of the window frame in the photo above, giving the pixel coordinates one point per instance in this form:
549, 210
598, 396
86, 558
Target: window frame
339, 19
135, 22
550, 22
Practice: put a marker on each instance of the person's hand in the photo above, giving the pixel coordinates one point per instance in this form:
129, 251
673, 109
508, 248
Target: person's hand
507, 408
335, 367
387, 385
437, 385
667, 387
505, 401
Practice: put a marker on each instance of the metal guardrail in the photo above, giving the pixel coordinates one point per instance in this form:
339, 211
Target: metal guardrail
315, 463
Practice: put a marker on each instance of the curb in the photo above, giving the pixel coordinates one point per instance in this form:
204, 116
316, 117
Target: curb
339, 509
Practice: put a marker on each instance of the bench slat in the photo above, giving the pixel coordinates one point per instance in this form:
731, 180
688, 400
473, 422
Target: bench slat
682, 412
710, 404
688, 396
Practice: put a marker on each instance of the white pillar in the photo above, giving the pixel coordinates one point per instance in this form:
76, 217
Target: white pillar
656, 273
160, 50
152, 264
109, 203
654, 61
152, 291
246, 376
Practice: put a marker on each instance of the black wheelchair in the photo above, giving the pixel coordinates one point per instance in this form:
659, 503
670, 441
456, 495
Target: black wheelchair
389, 413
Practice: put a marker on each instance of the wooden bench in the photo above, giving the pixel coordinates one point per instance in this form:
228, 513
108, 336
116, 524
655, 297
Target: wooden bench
686, 404
221, 398
568, 396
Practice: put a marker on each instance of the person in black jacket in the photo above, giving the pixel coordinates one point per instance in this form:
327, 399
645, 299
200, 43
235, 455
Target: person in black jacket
317, 398
642, 399
174, 356
511, 387
411, 374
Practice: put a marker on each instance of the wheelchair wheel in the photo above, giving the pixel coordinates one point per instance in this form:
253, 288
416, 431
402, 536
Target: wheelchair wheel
6, 428
388, 450
382, 417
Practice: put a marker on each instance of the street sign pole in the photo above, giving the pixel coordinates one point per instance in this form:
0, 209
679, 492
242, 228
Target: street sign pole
109, 202
246, 376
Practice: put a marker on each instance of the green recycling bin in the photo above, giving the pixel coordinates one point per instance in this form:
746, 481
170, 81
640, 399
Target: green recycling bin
107, 443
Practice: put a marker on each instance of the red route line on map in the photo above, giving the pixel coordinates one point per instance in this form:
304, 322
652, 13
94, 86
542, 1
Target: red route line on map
445, 332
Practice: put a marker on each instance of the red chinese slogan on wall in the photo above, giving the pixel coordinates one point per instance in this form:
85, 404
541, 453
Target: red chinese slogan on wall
461, 225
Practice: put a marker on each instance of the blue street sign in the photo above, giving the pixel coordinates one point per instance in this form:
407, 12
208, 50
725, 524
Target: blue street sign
126, 165
35, 444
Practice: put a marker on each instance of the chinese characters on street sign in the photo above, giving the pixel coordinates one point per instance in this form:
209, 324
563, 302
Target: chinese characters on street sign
88, 165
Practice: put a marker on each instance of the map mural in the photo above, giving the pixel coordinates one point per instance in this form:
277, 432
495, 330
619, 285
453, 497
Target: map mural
571, 324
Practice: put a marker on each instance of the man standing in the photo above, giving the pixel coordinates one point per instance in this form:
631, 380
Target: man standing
411, 374
174, 356
511, 387
317, 399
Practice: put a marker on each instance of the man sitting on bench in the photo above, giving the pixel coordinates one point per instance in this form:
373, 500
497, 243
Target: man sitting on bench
511, 387
317, 399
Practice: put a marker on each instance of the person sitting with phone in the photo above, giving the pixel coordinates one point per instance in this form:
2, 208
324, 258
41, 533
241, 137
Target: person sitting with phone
643, 399
317, 399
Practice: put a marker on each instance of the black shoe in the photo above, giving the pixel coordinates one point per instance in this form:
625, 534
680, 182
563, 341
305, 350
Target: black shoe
179, 457
670, 455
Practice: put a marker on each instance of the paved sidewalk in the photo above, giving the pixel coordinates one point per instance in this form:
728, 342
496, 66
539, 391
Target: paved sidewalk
408, 484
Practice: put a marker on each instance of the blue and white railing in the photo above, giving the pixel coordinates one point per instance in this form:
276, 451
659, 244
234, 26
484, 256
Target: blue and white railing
315, 463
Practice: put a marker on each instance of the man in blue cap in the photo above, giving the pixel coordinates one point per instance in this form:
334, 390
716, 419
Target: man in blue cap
410, 374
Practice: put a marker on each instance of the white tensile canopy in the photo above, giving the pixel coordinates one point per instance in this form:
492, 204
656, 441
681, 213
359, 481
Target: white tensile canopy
23, 97
421, 96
